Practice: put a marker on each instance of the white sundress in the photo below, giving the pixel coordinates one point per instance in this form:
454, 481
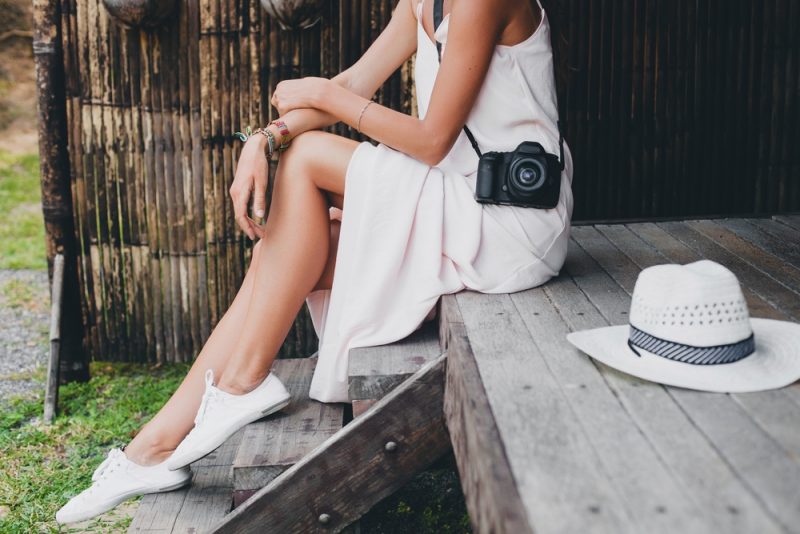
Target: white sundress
411, 232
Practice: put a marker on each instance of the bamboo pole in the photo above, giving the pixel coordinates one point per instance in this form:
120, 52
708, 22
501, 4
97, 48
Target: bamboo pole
55, 181
56, 292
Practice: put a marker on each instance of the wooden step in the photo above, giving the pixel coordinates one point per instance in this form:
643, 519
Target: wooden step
374, 455
375, 371
272, 445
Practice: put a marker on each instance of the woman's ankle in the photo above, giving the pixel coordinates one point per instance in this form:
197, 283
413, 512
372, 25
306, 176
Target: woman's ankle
239, 383
147, 453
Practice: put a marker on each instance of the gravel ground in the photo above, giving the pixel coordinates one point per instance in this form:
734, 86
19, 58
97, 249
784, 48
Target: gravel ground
24, 324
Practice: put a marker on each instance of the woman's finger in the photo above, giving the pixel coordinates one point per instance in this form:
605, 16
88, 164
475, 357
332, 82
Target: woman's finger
240, 200
260, 194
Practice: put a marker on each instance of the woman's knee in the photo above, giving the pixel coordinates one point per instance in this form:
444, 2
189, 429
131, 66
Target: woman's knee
305, 156
302, 149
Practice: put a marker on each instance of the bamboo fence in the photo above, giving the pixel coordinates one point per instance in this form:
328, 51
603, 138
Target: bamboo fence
673, 109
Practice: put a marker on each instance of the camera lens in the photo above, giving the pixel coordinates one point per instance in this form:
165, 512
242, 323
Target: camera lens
526, 176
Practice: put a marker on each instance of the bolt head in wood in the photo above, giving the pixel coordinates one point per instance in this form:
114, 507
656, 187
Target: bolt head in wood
390, 446
324, 519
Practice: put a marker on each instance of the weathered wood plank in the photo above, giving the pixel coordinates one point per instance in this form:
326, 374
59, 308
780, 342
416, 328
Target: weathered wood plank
374, 371
525, 461
786, 234
357, 467
207, 501
792, 221
272, 445
749, 229
777, 412
157, 512
759, 460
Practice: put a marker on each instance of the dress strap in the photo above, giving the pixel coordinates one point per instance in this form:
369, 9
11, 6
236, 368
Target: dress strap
419, 10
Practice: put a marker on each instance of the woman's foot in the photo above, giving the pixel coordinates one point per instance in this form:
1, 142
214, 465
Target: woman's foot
118, 479
221, 414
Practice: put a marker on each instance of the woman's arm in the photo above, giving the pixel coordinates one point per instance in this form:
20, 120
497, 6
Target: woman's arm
473, 32
395, 44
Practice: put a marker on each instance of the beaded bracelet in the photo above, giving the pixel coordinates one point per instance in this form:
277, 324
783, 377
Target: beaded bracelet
285, 135
266, 132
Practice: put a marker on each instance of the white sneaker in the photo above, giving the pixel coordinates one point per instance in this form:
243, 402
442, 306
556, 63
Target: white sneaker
221, 414
118, 479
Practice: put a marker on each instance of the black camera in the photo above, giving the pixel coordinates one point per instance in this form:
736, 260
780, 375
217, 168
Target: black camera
529, 177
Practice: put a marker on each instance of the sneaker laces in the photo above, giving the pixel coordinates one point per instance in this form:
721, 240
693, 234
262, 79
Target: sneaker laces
113, 461
210, 395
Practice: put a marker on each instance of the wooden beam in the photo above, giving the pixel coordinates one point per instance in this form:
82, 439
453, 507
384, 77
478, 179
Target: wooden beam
370, 458
492, 497
55, 181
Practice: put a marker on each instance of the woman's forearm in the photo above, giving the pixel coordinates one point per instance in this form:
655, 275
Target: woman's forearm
401, 131
305, 119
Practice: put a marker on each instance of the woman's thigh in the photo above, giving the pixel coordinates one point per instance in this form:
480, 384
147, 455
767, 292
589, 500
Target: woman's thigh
323, 158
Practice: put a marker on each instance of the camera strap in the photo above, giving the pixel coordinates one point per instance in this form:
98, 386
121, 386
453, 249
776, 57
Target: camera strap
438, 7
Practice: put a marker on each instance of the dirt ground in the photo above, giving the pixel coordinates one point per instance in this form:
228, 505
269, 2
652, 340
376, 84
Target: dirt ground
17, 78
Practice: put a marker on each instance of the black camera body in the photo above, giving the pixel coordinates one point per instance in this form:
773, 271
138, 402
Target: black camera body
528, 177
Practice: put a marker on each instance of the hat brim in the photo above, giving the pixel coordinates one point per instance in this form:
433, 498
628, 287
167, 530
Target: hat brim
774, 364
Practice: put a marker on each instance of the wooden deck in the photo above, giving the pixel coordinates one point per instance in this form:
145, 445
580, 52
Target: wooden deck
546, 439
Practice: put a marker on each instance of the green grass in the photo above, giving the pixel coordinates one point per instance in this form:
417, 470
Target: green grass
44, 465
22, 244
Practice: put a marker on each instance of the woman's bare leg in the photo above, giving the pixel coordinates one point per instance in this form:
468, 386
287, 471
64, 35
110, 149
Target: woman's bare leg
159, 437
295, 253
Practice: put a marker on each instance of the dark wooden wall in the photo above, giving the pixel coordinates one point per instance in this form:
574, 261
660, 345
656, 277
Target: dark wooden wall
673, 108
683, 107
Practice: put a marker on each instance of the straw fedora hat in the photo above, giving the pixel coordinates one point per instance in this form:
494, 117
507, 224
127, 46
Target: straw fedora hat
690, 327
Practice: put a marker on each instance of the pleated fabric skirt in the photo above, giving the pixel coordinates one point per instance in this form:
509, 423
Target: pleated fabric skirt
410, 233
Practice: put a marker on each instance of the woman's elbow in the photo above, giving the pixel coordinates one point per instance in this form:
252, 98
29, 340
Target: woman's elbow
435, 148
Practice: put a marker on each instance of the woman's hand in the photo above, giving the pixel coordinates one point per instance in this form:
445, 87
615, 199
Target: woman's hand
299, 94
252, 173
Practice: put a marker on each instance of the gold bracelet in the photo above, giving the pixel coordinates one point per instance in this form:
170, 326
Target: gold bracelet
358, 123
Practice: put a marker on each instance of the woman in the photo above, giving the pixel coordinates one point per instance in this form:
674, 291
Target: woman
409, 229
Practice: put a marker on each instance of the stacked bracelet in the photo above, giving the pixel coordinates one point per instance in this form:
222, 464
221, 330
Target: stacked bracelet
270, 140
284, 131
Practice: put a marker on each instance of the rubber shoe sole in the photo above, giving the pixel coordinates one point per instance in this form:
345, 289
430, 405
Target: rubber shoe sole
174, 463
